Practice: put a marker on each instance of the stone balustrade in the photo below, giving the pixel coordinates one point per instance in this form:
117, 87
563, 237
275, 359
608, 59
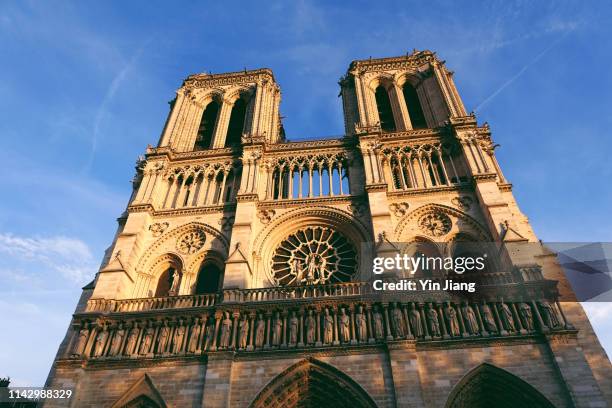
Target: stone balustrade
153, 303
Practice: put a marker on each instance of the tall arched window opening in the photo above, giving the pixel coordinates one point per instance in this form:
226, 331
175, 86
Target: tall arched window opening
417, 118
236, 123
207, 126
209, 279
385, 114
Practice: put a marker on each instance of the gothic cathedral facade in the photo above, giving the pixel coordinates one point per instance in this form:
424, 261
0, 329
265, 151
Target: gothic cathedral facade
241, 271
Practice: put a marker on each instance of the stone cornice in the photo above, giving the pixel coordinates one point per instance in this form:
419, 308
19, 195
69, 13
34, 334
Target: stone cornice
308, 201
416, 59
505, 187
429, 190
484, 177
376, 187
179, 212
228, 78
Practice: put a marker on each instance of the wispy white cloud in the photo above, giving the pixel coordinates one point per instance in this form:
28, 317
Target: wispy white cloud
108, 97
68, 257
516, 76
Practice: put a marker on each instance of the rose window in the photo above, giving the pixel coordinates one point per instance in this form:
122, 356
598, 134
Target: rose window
314, 255
436, 224
191, 242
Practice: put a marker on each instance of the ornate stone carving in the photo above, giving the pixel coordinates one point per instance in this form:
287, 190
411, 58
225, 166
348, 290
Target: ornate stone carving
158, 228
399, 209
453, 322
463, 202
244, 332
434, 323
226, 330
314, 255
345, 329
190, 242
357, 209
415, 321
435, 223
265, 216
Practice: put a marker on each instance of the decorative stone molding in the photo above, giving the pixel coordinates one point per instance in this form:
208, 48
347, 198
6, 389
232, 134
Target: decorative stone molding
191, 242
469, 224
265, 216
399, 209
463, 202
435, 223
158, 228
358, 209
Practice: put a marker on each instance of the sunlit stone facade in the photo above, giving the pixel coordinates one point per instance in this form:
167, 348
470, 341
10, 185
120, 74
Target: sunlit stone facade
239, 274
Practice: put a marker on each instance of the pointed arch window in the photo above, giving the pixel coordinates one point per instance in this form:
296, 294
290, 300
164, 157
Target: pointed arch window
417, 118
236, 123
209, 278
385, 113
207, 126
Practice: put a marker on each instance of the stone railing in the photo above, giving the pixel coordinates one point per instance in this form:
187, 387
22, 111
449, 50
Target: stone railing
322, 322
501, 283
297, 292
153, 303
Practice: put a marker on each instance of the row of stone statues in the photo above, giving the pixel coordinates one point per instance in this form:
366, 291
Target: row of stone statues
322, 326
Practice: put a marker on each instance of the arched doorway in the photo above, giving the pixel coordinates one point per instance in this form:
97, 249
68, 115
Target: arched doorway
312, 383
489, 386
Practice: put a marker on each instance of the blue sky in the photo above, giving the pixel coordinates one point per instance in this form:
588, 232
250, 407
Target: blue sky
84, 88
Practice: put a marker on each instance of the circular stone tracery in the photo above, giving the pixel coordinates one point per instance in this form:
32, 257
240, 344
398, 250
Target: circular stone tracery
435, 223
314, 255
191, 242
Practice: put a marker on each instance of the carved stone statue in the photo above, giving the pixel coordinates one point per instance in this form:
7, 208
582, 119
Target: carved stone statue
345, 327
313, 268
100, 342
147, 340
360, 322
328, 328
79, 347
398, 321
415, 320
378, 324
434, 324
226, 331
260, 329
293, 329
210, 333
117, 340
162, 338
277, 330
130, 347
298, 270
453, 322
179, 336
310, 328
471, 322
507, 317
244, 332
176, 277
549, 314
526, 314
488, 319
195, 335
